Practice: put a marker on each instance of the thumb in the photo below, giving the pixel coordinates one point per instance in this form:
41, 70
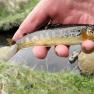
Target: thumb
88, 46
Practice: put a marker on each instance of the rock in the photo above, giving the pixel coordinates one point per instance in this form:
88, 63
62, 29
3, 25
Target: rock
86, 63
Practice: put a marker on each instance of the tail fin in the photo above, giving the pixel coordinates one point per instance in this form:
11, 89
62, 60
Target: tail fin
7, 52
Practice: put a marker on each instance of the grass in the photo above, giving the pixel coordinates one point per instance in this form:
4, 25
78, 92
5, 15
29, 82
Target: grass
9, 20
20, 79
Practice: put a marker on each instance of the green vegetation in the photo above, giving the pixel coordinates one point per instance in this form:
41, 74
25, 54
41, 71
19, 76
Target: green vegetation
20, 79
9, 20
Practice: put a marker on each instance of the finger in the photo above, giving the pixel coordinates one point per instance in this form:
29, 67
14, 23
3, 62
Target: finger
18, 35
36, 18
62, 50
88, 46
40, 51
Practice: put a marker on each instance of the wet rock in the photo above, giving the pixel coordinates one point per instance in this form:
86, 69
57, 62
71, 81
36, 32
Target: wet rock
86, 63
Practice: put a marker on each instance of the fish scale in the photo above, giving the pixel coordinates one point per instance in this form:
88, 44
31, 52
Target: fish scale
68, 35
55, 36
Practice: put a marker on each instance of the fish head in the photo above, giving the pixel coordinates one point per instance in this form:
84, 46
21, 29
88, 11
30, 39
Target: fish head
90, 33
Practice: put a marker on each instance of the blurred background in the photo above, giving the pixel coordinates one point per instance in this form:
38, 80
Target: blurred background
12, 13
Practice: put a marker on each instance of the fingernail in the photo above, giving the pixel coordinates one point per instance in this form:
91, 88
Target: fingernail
17, 37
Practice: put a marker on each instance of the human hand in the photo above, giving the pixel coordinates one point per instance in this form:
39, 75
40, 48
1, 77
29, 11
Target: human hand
58, 12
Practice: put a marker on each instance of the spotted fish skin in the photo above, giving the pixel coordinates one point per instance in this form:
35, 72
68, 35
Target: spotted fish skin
70, 35
67, 35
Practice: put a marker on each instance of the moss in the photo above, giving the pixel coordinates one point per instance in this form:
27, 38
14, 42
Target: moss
9, 20
20, 79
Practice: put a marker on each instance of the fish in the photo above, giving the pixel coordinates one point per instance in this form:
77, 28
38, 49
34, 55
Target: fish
67, 35
55, 36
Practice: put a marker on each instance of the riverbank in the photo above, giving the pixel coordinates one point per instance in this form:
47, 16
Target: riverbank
9, 20
23, 80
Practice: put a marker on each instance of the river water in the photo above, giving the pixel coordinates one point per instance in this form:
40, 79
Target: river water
51, 63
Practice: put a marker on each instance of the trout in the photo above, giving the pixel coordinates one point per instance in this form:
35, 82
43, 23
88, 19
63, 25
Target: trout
67, 35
